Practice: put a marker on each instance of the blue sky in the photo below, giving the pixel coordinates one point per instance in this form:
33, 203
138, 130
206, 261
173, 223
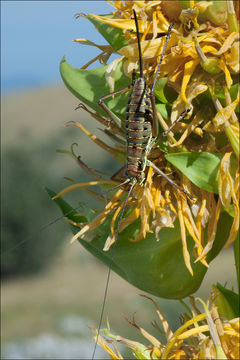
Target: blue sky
36, 34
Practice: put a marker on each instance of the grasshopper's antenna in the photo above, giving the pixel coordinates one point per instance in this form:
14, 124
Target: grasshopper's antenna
42, 228
110, 265
161, 59
139, 45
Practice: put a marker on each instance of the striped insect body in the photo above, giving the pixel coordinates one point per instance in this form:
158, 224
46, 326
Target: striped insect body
138, 127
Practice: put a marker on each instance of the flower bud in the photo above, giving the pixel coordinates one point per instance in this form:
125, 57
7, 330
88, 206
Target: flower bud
211, 65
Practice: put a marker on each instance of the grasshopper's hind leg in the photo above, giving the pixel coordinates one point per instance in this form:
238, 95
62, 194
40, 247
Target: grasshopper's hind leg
181, 117
149, 163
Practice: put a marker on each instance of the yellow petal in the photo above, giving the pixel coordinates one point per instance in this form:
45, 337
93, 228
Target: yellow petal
115, 153
213, 231
225, 181
225, 113
232, 57
192, 91
222, 65
88, 42
174, 339
197, 120
203, 5
150, 49
128, 24
194, 331
110, 73
165, 325
81, 185
188, 71
100, 218
228, 43
235, 197
186, 255
131, 218
103, 345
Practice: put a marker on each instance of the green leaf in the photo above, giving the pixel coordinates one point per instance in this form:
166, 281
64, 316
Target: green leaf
159, 90
67, 210
156, 267
113, 35
230, 210
227, 302
162, 109
90, 85
234, 90
201, 168
220, 93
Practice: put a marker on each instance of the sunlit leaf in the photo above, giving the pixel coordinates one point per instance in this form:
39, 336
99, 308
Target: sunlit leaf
201, 168
227, 302
159, 90
72, 214
162, 109
113, 35
90, 85
156, 267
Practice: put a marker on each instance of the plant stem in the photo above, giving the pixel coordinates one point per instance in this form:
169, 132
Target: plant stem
232, 20
236, 256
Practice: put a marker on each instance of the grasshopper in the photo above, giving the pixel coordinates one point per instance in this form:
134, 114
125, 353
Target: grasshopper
141, 130
141, 123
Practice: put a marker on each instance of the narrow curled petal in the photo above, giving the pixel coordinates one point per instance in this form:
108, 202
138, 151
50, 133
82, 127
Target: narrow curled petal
213, 230
183, 236
224, 68
225, 181
228, 43
225, 113
188, 71
110, 73
150, 49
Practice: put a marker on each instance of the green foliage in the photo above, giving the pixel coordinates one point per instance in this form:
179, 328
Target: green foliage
201, 168
156, 267
114, 36
90, 85
159, 90
227, 302
216, 12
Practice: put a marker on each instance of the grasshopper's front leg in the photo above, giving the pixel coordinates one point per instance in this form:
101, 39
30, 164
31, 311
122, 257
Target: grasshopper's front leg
112, 116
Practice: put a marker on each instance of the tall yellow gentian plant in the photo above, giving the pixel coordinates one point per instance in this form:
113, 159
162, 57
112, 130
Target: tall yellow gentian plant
199, 70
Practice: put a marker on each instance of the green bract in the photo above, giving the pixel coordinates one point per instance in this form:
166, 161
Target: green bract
201, 168
114, 36
156, 267
216, 12
90, 85
227, 302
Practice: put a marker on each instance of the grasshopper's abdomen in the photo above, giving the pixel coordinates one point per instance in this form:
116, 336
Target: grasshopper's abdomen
138, 125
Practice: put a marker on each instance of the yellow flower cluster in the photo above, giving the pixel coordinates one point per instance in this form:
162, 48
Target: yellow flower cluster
196, 55
204, 336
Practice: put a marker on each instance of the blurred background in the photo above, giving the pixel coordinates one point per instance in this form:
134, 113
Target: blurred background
52, 291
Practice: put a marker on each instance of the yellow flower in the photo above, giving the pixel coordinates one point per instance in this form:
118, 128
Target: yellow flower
204, 336
229, 194
157, 203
